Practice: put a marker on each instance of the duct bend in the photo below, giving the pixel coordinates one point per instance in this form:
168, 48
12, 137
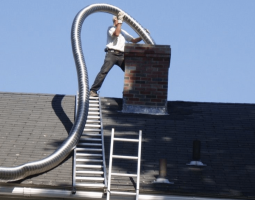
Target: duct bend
22, 171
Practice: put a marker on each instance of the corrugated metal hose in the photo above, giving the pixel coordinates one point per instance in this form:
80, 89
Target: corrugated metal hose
36, 167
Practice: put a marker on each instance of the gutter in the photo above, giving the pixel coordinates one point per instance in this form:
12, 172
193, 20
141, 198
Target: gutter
50, 193
66, 194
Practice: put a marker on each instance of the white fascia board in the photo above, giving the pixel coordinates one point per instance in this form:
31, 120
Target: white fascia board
51, 193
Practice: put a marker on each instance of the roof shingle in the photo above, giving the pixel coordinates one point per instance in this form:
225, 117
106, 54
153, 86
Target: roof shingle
33, 125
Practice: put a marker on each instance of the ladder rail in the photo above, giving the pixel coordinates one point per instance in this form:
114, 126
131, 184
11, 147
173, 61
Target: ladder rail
102, 141
74, 170
139, 165
110, 167
74, 151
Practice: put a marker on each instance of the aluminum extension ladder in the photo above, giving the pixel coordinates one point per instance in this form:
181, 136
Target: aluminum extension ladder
89, 169
138, 158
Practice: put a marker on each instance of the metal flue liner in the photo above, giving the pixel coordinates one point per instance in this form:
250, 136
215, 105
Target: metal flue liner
27, 169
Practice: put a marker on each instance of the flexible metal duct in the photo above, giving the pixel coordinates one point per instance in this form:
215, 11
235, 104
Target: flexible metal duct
22, 171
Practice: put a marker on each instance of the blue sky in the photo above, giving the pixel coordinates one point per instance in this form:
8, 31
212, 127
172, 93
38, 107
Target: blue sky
213, 46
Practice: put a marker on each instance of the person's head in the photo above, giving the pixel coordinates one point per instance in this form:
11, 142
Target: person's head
115, 20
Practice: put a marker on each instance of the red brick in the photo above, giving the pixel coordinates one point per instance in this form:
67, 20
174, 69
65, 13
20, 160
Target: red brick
134, 78
158, 66
128, 81
128, 95
152, 75
134, 99
158, 59
136, 85
156, 100
162, 97
158, 93
145, 92
150, 89
125, 92
163, 90
146, 79
158, 73
147, 58
165, 69
134, 71
157, 86
140, 89
163, 83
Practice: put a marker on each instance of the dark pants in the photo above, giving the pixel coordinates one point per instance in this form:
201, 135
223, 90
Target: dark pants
110, 60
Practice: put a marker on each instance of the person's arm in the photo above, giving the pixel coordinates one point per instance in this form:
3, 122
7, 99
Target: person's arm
119, 23
117, 30
136, 40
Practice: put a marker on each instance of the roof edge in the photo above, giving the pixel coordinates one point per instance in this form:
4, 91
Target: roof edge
54, 193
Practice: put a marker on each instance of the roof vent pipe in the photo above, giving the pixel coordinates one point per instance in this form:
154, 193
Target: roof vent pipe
162, 173
196, 155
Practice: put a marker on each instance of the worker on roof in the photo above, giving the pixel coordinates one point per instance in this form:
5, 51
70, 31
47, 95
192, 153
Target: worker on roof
116, 39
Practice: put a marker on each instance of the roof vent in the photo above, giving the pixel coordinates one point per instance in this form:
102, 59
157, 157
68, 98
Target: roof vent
196, 157
162, 173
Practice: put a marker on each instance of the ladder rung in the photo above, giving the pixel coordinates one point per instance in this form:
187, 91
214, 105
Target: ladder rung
93, 109
93, 117
87, 154
125, 157
90, 166
87, 149
90, 139
126, 140
93, 101
119, 174
92, 121
90, 134
90, 184
93, 97
125, 193
89, 144
93, 113
89, 172
92, 105
92, 129
92, 125
90, 160
89, 178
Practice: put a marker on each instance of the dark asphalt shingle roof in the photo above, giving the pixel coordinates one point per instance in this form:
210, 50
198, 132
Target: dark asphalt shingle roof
227, 134
33, 125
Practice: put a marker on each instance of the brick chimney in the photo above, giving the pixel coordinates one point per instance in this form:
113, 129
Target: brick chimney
146, 78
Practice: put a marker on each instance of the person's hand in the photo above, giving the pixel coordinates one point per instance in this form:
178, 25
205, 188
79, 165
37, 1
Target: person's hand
120, 17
